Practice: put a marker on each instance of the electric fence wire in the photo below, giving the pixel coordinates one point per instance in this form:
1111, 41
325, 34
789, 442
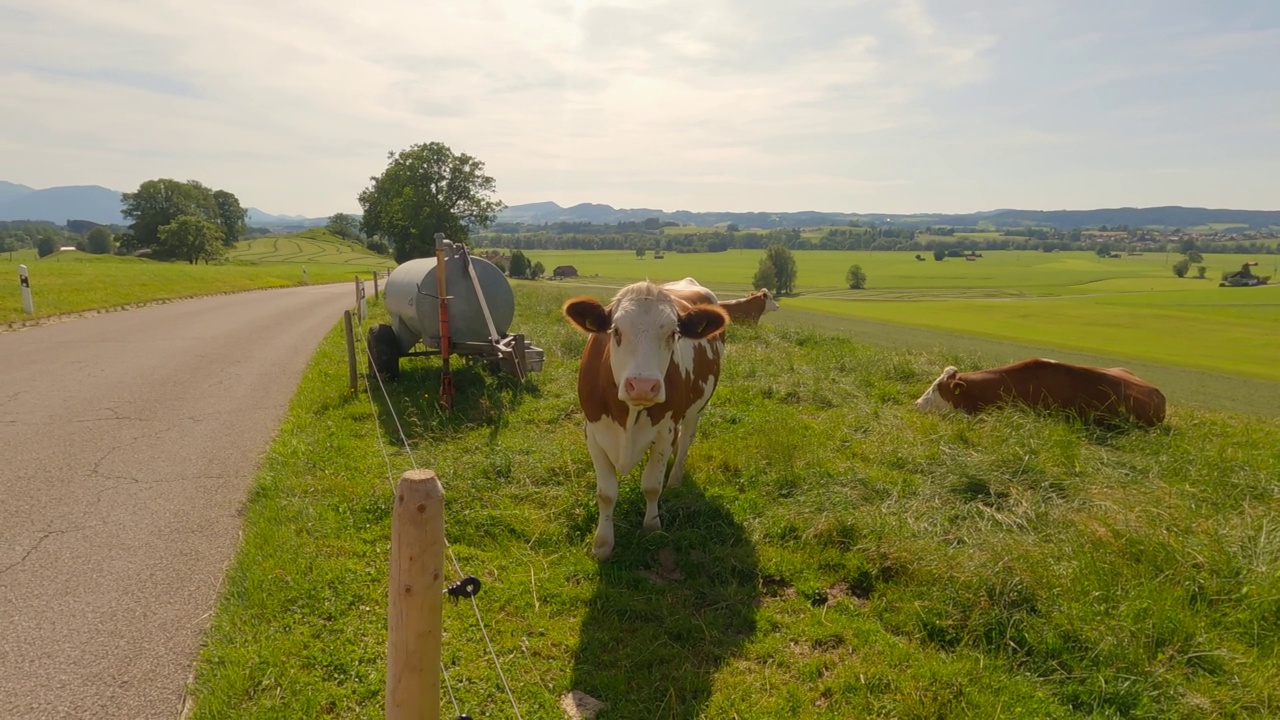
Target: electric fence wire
390, 478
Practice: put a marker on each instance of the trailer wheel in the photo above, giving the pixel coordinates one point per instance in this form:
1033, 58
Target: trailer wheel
385, 352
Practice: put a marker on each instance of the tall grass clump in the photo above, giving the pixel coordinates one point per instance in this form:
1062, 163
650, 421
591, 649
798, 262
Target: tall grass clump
833, 552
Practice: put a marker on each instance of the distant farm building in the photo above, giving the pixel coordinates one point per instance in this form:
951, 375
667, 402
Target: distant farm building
565, 271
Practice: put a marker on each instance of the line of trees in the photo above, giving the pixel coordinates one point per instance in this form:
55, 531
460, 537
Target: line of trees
852, 238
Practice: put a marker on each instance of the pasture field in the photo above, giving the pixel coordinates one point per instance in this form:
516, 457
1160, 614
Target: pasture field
1131, 308
74, 282
314, 248
833, 553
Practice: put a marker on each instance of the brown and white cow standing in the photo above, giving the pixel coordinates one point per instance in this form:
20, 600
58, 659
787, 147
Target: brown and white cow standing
1091, 393
650, 365
749, 310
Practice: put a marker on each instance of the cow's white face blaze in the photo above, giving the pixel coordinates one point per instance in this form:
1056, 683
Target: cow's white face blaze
642, 337
932, 400
769, 303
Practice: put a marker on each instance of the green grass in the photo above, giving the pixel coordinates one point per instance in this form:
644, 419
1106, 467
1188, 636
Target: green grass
1183, 386
834, 553
313, 248
74, 282
1131, 308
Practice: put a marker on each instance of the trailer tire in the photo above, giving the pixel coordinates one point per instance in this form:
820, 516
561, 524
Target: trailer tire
384, 350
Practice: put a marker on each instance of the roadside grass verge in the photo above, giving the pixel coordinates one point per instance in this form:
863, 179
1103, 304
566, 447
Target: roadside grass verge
76, 282
833, 553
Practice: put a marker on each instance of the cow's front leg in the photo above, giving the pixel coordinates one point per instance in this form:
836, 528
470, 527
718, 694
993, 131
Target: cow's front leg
651, 480
688, 429
606, 498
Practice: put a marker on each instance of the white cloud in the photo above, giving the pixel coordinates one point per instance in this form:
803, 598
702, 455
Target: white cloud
749, 104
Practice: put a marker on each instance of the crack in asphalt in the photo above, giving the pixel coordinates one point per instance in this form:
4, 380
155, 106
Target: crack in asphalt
43, 536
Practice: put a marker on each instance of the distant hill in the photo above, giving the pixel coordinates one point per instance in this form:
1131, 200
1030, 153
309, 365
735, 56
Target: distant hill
102, 205
9, 190
60, 204
258, 218
1155, 217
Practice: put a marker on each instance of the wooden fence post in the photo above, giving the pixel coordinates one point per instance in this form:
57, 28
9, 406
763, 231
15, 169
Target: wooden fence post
375, 284
415, 595
352, 376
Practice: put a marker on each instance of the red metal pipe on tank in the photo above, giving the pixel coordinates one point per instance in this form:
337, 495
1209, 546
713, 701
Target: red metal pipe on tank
446, 377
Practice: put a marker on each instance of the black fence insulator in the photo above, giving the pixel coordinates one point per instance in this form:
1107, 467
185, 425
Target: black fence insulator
467, 587
464, 717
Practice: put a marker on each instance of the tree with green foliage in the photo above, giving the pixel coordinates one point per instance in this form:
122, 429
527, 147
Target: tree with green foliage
519, 267
766, 275
192, 238
100, 241
428, 189
537, 270
640, 252
344, 226
856, 278
939, 254
1200, 271
47, 246
159, 202
1194, 257
777, 270
1181, 267
233, 219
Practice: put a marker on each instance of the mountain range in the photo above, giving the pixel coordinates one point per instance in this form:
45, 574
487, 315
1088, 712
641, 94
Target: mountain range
1172, 216
102, 205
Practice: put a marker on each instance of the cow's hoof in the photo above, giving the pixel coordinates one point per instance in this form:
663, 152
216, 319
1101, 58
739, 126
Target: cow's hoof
602, 550
653, 525
675, 479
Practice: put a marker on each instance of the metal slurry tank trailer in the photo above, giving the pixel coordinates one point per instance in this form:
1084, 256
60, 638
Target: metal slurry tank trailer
480, 307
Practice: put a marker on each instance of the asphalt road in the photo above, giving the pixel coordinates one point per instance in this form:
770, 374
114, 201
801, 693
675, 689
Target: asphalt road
127, 444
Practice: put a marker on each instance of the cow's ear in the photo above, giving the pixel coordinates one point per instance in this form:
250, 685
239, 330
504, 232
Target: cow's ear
587, 314
702, 321
957, 386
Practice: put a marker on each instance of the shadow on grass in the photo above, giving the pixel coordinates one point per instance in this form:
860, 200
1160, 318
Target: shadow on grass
670, 608
482, 398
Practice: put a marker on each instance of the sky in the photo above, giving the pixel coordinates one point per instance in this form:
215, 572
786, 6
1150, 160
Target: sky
893, 106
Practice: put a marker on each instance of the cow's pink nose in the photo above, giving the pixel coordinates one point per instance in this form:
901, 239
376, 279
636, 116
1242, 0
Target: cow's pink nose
643, 388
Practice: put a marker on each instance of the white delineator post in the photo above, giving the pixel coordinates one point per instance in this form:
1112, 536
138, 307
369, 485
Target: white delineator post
25, 282
415, 598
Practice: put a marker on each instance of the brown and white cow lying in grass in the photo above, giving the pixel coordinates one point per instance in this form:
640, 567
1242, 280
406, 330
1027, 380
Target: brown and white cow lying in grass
1100, 395
748, 310
650, 365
